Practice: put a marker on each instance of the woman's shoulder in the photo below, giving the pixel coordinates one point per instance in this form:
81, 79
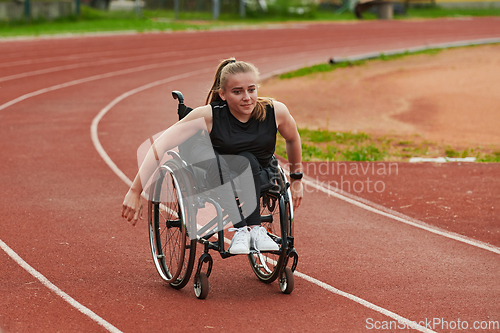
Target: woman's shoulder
279, 106
281, 112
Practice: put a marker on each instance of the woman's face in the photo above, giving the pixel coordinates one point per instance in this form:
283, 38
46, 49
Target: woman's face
240, 93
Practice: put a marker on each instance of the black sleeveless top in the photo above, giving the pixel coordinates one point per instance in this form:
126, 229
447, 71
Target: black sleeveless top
230, 136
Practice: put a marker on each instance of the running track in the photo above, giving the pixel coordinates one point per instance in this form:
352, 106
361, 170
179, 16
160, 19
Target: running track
60, 206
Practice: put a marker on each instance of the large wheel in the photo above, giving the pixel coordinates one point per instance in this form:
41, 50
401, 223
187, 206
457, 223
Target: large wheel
278, 222
173, 251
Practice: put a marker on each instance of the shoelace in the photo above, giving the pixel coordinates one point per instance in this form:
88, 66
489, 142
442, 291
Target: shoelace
260, 233
239, 236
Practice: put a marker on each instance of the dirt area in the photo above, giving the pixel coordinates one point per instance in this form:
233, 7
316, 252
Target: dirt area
451, 98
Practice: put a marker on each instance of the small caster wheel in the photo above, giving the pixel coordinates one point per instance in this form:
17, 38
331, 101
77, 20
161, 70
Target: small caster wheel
286, 281
201, 285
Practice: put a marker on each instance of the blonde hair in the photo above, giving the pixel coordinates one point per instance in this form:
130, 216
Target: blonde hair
230, 67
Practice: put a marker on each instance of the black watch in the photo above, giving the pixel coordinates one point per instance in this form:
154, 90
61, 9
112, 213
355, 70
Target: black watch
297, 175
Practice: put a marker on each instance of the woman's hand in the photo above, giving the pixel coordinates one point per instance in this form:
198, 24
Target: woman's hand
132, 206
297, 192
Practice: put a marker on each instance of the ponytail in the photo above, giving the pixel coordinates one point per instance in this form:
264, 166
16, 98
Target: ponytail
231, 66
213, 94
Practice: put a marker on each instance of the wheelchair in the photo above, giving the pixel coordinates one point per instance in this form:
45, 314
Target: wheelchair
175, 199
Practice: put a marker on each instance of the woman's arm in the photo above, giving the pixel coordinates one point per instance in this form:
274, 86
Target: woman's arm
288, 130
199, 118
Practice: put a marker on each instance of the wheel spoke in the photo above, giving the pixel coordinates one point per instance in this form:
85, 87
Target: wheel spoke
173, 259
275, 213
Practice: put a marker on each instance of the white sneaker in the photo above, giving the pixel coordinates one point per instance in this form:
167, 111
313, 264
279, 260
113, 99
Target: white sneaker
241, 241
261, 241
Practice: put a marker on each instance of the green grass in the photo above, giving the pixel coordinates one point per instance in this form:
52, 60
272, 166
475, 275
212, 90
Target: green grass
92, 20
328, 67
427, 11
320, 68
321, 145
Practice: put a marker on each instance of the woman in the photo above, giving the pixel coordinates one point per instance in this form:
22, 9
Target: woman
239, 123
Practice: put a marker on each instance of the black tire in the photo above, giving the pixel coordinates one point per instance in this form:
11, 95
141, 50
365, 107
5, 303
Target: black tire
172, 249
286, 281
201, 285
268, 265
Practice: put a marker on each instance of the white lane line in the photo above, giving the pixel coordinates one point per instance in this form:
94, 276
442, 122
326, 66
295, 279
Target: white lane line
398, 318
99, 77
367, 205
123, 177
133, 70
136, 58
83, 65
74, 56
106, 158
401, 320
115, 168
79, 81
14, 255
57, 58
95, 122
100, 115
37, 275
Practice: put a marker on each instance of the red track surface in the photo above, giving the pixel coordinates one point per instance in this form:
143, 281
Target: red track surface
61, 203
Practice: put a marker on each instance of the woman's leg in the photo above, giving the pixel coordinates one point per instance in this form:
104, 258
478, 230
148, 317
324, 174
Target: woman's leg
254, 218
233, 170
232, 176
242, 173
218, 179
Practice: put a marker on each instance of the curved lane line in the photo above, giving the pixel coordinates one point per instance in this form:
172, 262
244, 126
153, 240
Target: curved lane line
121, 72
13, 254
95, 122
37, 275
98, 77
108, 161
83, 65
103, 62
123, 177
367, 205
134, 58
74, 56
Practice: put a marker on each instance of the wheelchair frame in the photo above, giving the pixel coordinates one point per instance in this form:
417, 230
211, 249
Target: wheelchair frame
172, 221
